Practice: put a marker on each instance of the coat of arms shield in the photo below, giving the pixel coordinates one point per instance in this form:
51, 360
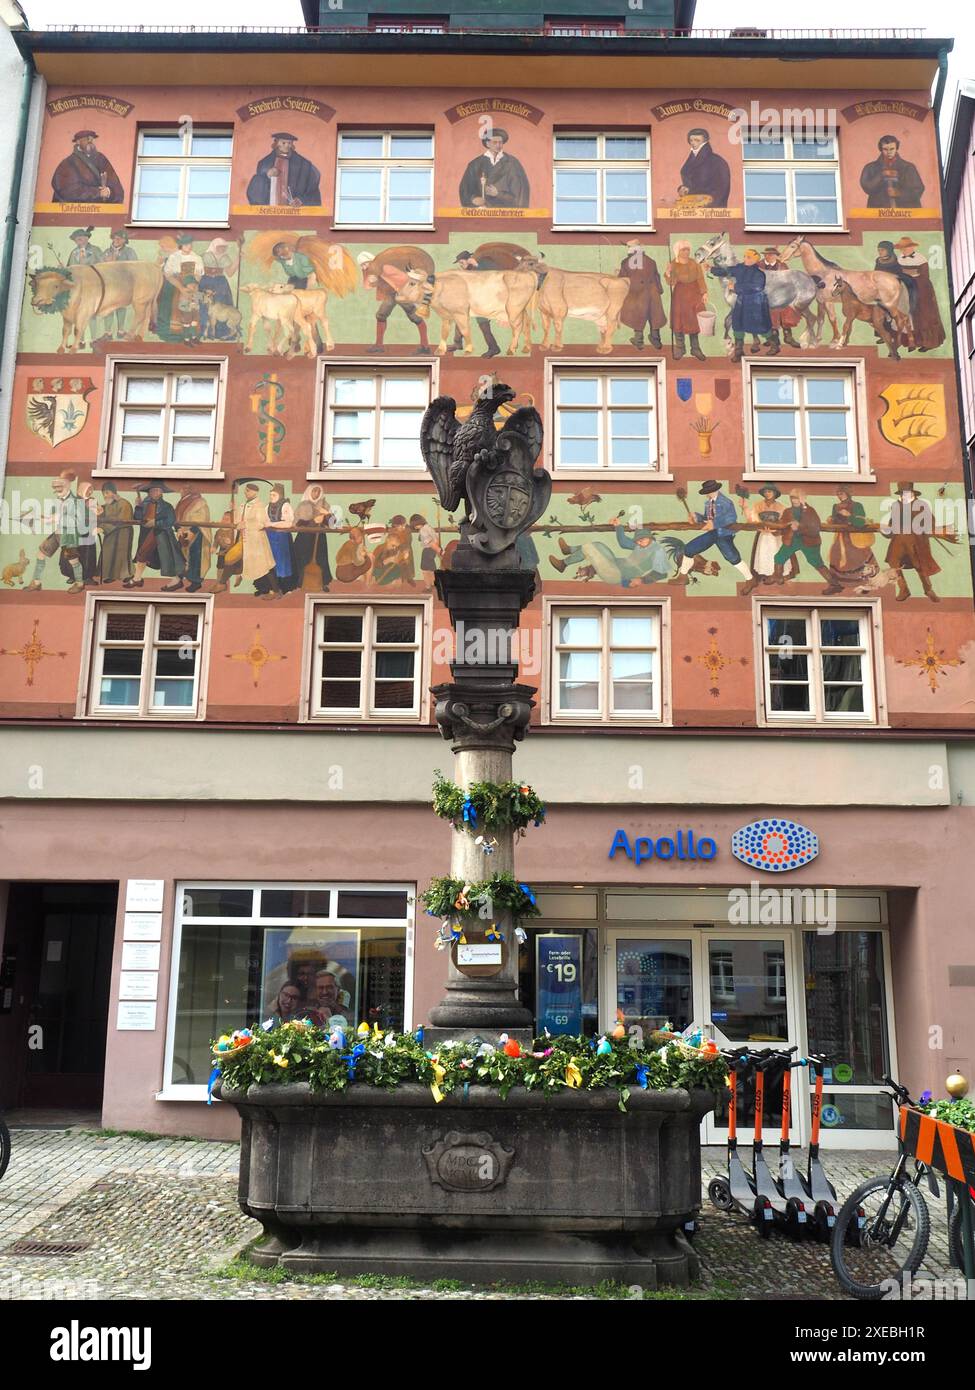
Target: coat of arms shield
57, 407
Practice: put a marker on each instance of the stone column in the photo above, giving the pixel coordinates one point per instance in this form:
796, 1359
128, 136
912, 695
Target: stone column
484, 712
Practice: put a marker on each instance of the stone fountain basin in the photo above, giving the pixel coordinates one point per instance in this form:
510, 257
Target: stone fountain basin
561, 1187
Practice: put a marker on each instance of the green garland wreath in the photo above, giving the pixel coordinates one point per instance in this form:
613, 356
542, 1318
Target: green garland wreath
451, 897
487, 806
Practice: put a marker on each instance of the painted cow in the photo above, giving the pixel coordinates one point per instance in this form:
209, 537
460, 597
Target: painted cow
503, 296
87, 292
579, 294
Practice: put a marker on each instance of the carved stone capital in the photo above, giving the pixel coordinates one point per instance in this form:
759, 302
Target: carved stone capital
483, 713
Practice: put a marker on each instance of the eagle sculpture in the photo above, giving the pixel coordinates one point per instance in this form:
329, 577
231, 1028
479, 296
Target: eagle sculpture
491, 471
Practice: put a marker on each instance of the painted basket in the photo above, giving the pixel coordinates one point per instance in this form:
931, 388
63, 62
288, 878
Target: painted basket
943, 1147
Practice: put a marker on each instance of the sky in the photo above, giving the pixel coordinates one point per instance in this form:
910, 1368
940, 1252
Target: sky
942, 19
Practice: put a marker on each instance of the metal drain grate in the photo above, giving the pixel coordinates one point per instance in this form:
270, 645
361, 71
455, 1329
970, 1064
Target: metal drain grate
46, 1247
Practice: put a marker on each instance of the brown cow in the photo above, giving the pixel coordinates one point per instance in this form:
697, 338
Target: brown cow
502, 296
87, 292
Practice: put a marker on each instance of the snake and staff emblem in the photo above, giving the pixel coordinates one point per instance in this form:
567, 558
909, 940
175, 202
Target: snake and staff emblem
267, 403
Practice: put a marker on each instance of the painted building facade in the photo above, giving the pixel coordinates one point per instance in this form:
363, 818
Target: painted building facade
250, 271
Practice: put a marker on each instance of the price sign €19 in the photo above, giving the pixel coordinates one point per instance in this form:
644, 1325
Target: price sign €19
559, 983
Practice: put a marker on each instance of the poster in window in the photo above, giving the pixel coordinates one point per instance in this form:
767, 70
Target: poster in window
558, 988
310, 972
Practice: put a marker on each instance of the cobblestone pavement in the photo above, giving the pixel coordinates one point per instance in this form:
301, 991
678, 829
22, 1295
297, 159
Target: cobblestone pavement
159, 1218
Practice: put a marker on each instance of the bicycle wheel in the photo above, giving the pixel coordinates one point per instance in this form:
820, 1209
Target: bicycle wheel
889, 1245
955, 1253
4, 1148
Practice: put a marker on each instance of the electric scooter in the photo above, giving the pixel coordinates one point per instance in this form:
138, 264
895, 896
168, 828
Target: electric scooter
816, 1184
737, 1189
789, 1181
767, 1191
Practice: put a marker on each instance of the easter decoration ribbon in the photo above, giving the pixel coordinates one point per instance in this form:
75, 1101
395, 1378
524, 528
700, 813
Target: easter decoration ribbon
573, 1076
214, 1078
438, 1073
358, 1051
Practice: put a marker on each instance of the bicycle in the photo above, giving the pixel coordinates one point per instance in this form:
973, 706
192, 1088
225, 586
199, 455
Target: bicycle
4, 1146
875, 1242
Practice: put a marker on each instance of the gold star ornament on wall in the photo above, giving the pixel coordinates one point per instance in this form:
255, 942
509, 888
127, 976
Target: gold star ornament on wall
32, 652
931, 661
257, 655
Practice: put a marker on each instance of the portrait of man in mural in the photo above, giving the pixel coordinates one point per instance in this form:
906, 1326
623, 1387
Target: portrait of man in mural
785, 317
159, 548
252, 522
496, 257
910, 526
114, 516
72, 530
889, 181
643, 308
118, 250
718, 521
284, 178
85, 175
495, 179
280, 524
643, 559
387, 273
704, 174
750, 312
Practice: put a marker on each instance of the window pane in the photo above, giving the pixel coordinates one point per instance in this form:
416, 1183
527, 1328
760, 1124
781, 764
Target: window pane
123, 626
394, 695
826, 390
840, 632
777, 453
579, 630
198, 423
209, 181
176, 661
633, 695
360, 146
342, 627
629, 390
156, 209
582, 211
353, 390
196, 390
372, 903
142, 422
119, 692
342, 664
846, 1003
843, 699
411, 146
144, 388
159, 180
579, 696
400, 434
166, 142
178, 627
409, 183
396, 627
631, 666
578, 390
295, 902
122, 661
653, 982
340, 695
191, 453
361, 183
576, 183
139, 451
212, 144
774, 390
576, 147
790, 699
787, 665
169, 694
785, 630
206, 209
218, 902
815, 185
842, 667
405, 390
579, 453
829, 453
630, 453
763, 147
579, 666
626, 147
394, 666
813, 147
631, 631
821, 212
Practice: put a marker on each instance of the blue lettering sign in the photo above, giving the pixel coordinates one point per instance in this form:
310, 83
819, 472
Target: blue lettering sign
679, 845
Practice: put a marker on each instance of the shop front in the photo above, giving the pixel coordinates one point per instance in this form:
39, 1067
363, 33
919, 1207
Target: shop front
653, 957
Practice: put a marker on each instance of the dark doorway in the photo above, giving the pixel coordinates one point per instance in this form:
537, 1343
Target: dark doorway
57, 962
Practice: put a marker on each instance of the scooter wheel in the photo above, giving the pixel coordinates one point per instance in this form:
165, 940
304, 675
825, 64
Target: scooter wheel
719, 1192
764, 1225
796, 1228
824, 1219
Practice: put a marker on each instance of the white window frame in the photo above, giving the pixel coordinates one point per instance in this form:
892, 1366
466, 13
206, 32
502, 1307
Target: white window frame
385, 163
185, 162
790, 166
662, 715
321, 434
601, 165
96, 605
875, 704
369, 605
172, 1090
110, 438
581, 366
859, 469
